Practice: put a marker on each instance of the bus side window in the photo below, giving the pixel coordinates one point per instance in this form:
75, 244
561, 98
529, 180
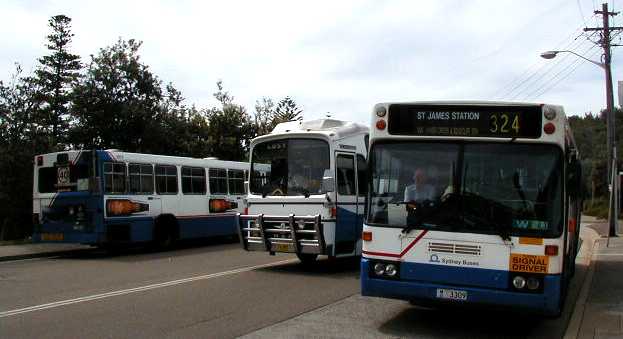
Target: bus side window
141, 178
362, 175
236, 181
114, 177
193, 180
166, 179
218, 181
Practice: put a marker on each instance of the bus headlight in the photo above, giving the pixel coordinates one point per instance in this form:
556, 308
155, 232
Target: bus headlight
379, 269
381, 111
519, 282
533, 283
391, 270
549, 113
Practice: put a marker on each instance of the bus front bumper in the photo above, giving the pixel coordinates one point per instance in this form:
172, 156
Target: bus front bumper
425, 293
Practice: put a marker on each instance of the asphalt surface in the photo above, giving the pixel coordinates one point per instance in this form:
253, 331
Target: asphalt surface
215, 305
217, 290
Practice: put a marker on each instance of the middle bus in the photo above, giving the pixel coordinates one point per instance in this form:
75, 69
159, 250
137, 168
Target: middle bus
307, 190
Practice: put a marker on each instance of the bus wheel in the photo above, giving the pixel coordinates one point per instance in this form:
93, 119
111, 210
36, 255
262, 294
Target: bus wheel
164, 232
307, 258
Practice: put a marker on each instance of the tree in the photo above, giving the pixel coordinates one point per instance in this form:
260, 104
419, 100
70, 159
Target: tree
264, 116
230, 128
20, 140
55, 76
287, 110
119, 103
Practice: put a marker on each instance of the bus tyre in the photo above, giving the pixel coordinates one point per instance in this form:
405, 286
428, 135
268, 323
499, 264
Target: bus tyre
307, 258
164, 232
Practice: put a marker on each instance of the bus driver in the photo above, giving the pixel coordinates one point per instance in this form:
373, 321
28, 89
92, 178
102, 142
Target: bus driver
420, 189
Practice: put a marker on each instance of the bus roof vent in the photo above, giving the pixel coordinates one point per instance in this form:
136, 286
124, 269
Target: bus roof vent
210, 158
328, 125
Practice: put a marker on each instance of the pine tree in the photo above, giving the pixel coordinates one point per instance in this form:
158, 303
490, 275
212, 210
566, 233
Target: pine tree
55, 76
287, 110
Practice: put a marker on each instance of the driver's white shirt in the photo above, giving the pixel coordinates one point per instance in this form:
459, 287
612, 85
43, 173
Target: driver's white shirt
421, 192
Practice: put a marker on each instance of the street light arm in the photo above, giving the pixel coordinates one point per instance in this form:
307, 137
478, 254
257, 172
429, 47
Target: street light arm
552, 54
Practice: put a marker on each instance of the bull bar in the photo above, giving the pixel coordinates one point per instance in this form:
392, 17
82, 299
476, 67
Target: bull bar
295, 234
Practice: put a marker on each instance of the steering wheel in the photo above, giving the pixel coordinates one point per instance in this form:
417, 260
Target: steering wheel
277, 190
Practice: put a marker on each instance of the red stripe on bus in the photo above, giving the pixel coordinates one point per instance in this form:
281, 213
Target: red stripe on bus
401, 254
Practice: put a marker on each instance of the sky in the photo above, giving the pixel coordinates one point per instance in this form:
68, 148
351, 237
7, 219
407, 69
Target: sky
338, 57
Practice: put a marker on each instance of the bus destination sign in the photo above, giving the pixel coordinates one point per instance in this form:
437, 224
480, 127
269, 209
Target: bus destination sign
465, 121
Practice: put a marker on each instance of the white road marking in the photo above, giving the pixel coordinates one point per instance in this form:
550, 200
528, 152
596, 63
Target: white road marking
26, 259
60, 303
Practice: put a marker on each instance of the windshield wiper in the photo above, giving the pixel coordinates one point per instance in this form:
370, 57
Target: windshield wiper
501, 229
484, 206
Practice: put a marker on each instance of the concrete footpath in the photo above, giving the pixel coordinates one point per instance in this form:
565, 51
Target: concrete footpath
27, 251
599, 310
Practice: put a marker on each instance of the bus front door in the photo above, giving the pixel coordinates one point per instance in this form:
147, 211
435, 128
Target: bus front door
346, 204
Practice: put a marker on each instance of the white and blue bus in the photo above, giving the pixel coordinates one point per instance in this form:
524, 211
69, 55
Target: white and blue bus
106, 197
472, 203
307, 189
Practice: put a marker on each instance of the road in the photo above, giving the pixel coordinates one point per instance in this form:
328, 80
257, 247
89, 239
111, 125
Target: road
219, 291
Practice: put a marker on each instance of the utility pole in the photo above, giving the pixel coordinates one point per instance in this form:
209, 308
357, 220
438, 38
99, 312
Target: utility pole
610, 118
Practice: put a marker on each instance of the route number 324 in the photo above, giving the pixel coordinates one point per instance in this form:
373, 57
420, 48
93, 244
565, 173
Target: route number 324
503, 123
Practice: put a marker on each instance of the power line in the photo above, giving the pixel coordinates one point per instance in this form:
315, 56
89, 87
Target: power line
542, 72
551, 83
517, 82
530, 91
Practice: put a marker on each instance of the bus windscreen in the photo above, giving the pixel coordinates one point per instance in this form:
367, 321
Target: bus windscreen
465, 121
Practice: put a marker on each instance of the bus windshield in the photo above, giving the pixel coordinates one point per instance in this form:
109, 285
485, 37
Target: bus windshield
289, 167
467, 187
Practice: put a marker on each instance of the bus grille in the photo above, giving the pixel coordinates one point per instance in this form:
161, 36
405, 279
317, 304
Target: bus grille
453, 248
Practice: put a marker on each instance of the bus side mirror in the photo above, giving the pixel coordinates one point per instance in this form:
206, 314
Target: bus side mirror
574, 179
328, 184
246, 186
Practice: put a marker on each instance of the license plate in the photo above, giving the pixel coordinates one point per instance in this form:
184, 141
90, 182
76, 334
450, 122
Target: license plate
443, 293
52, 236
282, 247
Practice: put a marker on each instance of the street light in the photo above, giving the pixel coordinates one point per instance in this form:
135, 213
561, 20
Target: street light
610, 121
552, 55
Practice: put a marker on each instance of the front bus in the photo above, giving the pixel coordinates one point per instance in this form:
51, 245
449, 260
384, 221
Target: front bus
471, 203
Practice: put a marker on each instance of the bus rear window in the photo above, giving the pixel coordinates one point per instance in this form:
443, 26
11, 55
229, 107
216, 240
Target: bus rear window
47, 179
63, 179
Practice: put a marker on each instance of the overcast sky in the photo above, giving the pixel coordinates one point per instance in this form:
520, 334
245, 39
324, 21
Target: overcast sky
337, 56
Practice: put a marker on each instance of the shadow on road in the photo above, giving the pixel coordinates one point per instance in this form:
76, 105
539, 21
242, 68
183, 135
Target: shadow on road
146, 252
459, 323
323, 267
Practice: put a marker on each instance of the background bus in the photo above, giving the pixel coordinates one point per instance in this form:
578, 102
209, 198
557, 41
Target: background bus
307, 189
112, 197
472, 202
